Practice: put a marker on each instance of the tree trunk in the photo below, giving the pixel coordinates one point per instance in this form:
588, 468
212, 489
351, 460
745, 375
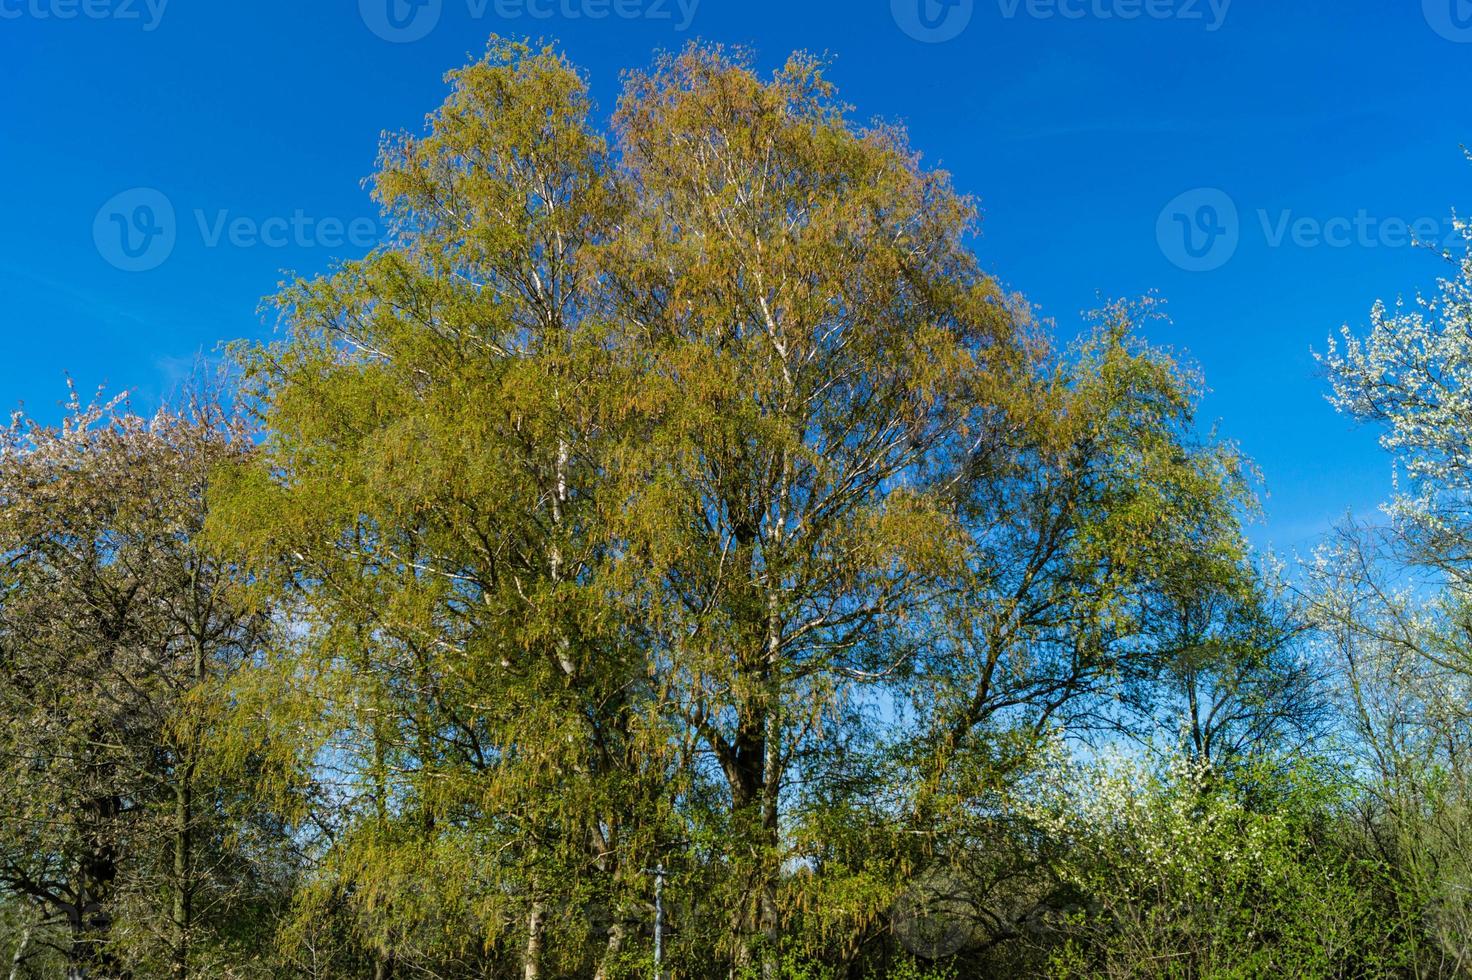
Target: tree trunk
535, 927
87, 958
616, 935
746, 779
771, 844
183, 911
90, 917
771, 789
182, 917
20, 953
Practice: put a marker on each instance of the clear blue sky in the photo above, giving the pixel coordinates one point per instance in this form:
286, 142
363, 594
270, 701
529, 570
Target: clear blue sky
1076, 123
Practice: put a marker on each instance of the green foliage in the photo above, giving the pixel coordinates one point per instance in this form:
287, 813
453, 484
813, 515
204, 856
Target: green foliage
684, 502
1180, 874
119, 637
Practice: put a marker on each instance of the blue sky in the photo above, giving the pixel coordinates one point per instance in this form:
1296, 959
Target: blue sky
1293, 140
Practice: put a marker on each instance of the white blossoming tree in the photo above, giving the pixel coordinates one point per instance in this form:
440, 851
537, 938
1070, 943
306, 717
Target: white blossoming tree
1175, 874
1392, 604
1413, 374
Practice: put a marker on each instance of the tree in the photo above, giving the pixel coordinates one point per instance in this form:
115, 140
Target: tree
473, 435
1087, 529
1177, 874
1241, 684
1087, 522
430, 505
1397, 652
115, 626
819, 359
1412, 375
611, 498
1392, 603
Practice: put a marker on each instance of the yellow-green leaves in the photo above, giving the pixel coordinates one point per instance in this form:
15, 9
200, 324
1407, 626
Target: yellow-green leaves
613, 497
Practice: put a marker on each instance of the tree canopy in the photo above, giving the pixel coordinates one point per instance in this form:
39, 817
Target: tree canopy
672, 539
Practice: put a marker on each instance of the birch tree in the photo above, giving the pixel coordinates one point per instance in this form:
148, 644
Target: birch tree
430, 503
612, 494
820, 357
